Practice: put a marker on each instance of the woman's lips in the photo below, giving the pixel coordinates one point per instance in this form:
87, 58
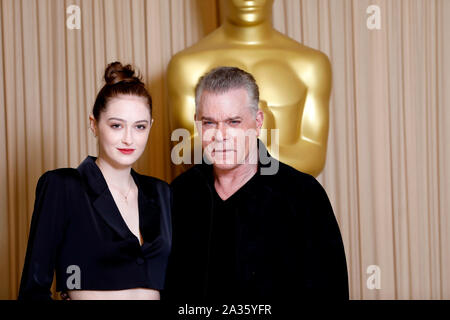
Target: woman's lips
126, 151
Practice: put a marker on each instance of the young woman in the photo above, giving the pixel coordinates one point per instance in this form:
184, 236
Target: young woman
102, 227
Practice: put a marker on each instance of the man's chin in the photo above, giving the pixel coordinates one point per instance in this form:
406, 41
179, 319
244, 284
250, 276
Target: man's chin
227, 163
225, 166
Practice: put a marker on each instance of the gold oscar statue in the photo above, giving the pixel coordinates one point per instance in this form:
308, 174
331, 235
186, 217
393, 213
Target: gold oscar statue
294, 80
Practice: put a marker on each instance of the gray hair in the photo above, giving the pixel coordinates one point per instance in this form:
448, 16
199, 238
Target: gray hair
223, 79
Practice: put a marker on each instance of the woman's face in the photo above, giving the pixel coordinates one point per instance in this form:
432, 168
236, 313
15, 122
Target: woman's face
123, 130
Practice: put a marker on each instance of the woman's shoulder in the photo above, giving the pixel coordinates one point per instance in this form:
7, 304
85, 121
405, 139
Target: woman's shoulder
62, 182
152, 182
60, 176
156, 189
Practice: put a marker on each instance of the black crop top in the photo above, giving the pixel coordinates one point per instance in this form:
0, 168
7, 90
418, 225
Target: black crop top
78, 232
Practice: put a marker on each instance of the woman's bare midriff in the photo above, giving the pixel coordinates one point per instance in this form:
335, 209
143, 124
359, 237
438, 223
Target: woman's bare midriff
127, 294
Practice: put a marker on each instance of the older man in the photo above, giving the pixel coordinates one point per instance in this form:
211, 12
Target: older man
242, 233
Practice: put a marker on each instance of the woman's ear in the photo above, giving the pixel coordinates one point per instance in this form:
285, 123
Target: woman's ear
93, 124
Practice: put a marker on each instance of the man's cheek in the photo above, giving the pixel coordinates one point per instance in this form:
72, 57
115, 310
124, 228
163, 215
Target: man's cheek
207, 141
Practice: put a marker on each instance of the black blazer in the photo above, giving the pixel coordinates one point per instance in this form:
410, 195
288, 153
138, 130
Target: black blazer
78, 231
289, 245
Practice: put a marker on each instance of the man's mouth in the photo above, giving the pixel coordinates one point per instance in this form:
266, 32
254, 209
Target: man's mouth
226, 150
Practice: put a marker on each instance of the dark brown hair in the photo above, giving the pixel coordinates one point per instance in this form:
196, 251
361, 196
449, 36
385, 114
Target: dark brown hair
120, 80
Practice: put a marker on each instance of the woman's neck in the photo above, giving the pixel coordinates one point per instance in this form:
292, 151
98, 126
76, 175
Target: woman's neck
119, 177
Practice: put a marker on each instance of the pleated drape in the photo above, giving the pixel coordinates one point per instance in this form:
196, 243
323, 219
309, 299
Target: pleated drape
388, 162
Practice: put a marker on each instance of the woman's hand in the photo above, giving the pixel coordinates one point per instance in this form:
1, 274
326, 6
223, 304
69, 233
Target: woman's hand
64, 295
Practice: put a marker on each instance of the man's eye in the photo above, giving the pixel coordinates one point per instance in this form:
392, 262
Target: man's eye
235, 121
207, 123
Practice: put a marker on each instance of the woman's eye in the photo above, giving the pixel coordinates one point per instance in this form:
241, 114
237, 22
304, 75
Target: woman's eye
141, 127
115, 126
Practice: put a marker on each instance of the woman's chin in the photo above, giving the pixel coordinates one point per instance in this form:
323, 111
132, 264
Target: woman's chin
124, 160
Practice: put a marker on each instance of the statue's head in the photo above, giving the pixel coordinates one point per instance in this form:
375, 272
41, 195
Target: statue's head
247, 12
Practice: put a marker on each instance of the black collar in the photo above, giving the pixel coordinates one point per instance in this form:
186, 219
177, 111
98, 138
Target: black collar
265, 160
105, 205
95, 180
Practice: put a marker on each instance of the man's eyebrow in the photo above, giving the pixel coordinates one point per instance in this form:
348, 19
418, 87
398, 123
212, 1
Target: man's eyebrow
227, 119
208, 118
122, 120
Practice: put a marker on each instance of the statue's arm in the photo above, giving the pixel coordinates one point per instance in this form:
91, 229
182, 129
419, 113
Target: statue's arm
181, 95
315, 118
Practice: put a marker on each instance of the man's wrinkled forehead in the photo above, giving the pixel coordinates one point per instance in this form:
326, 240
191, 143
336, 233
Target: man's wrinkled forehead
231, 103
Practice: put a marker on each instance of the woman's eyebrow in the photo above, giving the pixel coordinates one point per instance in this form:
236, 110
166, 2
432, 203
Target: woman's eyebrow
118, 119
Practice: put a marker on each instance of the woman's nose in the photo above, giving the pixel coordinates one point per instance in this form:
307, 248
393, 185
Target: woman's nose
127, 136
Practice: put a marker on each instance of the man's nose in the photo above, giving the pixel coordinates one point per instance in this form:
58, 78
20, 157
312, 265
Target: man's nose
221, 132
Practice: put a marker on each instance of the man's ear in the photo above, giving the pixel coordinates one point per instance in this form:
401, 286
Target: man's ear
93, 125
259, 120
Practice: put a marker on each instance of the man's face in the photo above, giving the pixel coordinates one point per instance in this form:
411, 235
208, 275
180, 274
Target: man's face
228, 128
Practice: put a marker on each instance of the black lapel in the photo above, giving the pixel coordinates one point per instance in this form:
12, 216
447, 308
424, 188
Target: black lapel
149, 208
100, 196
103, 201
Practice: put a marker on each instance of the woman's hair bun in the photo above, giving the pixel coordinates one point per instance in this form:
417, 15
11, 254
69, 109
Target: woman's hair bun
116, 72
120, 80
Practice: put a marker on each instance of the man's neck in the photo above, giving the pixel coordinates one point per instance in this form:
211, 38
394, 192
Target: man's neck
248, 34
227, 182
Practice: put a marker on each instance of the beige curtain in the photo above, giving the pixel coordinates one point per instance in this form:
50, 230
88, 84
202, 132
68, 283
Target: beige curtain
388, 167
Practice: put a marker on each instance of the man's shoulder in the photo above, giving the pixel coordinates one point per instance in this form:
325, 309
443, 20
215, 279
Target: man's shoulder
291, 182
195, 174
306, 185
288, 174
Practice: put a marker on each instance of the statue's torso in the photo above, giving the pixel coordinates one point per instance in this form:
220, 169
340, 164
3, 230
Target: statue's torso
283, 70
280, 71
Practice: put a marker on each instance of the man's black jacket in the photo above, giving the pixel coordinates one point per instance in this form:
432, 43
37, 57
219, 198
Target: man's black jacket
292, 248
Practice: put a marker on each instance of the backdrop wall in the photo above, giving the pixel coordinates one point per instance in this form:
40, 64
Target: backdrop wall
388, 162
